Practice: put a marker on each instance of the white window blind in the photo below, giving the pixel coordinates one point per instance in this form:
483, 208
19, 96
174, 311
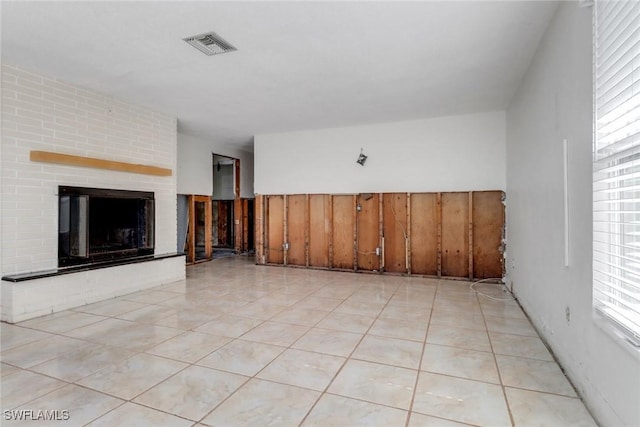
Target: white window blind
616, 168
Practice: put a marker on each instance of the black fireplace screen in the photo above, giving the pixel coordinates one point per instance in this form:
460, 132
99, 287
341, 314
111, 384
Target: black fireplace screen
99, 225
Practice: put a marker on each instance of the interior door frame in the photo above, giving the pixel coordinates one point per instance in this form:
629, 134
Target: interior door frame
191, 234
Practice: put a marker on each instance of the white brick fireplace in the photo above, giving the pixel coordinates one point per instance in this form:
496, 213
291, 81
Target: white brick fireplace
43, 114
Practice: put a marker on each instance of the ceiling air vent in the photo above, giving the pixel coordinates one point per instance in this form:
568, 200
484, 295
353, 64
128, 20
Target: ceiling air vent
210, 43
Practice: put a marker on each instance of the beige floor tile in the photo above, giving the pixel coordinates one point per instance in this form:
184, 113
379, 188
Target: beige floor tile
263, 403
461, 400
390, 351
413, 330
229, 326
13, 336
274, 333
193, 392
82, 406
502, 309
346, 322
189, 347
507, 325
360, 308
300, 316
131, 377
521, 346
7, 369
85, 361
28, 355
303, 369
461, 319
138, 336
148, 314
530, 408
460, 362
149, 297
420, 420
315, 302
186, 318
260, 310
326, 341
535, 375
132, 415
111, 307
335, 292
242, 357
67, 321
411, 313
338, 411
22, 387
96, 332
458, 337
375, 383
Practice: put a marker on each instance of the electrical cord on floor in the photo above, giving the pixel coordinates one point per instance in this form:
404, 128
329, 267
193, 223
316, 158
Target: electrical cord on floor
472, 287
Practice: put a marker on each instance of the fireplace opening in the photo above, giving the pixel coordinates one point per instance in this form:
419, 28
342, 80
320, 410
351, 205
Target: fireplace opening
97, 225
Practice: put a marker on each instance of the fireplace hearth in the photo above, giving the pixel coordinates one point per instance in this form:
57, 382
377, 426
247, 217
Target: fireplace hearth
98, 225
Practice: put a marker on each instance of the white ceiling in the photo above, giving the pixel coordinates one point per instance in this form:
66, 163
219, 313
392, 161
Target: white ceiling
299, 65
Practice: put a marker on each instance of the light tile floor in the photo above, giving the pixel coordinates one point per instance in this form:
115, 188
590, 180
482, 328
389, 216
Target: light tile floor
244, 345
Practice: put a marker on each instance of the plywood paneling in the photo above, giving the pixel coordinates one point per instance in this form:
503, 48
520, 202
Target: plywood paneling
455, 234
395, 232
275, 229
259, 229
368, 238
343, 225
424, 234
488, 221
296, 215
319, 229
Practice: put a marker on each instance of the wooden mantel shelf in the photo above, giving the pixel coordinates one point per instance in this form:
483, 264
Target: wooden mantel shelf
89, 162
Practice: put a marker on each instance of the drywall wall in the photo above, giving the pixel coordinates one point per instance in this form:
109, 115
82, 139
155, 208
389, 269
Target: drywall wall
553, 103
223, 182
195, 165
457, 153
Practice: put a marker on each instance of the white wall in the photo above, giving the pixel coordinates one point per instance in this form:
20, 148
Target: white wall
195, 165
554, 102
458, 153
42, 113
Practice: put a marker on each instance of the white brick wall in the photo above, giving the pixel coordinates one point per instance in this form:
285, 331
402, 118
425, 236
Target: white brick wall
41, 113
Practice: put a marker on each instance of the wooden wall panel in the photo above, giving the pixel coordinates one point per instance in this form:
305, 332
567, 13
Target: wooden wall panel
275, 229
488, 222
296, 226
223, 224
368, 238
395, 232
342, 231
319, 229
424, 234
259, 229
455, 234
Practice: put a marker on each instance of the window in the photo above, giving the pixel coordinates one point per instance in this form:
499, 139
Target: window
616, 167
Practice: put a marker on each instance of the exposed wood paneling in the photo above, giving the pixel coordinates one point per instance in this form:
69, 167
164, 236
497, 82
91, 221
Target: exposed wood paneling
275, 229
296, 215
395, 232
342, 226
319, 229
237, 211
488, 222
424, 234
90, 162
368, 238
455, 234
259, 229
223, 223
